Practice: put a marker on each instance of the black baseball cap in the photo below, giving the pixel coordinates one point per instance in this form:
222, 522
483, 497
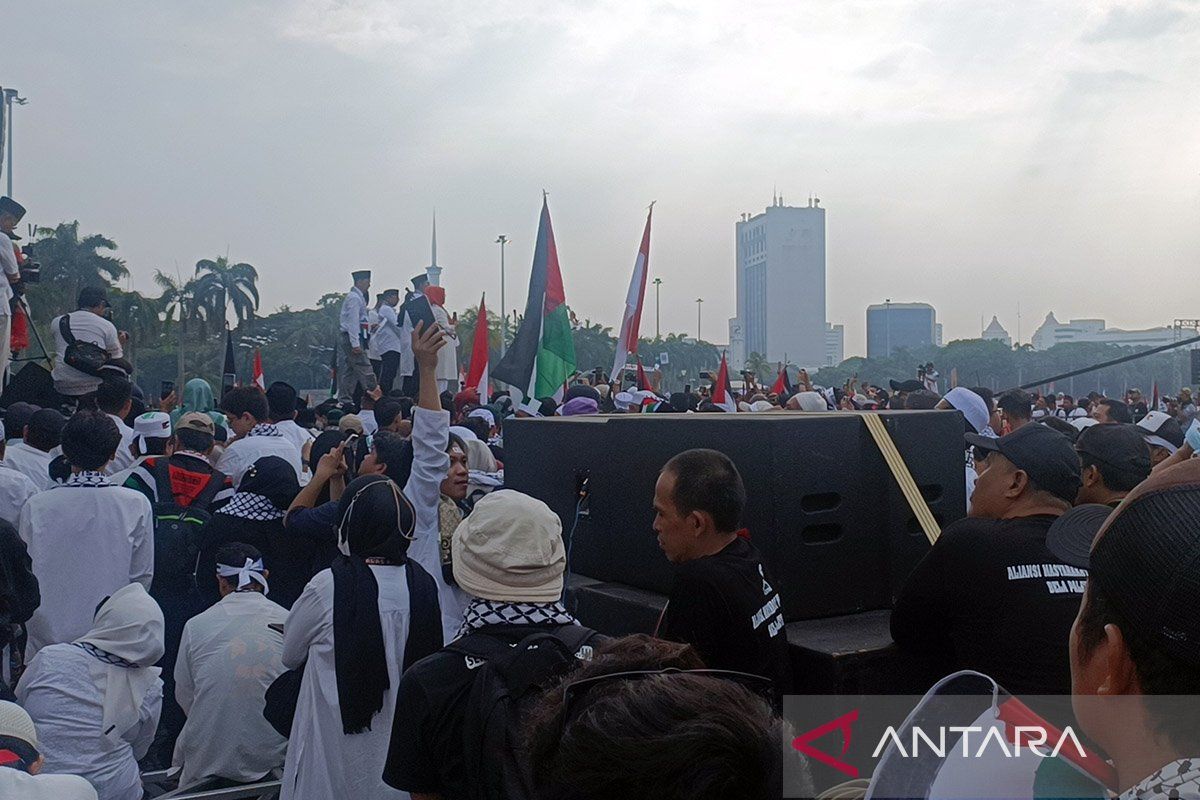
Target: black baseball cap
1070, 536
92, 296
906, 386
1044, 454
1120, 446
1145, 560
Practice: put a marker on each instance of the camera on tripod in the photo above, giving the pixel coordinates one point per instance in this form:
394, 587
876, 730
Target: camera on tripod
31, 271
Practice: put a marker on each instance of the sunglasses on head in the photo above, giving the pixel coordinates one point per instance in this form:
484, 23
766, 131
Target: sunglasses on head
574, 693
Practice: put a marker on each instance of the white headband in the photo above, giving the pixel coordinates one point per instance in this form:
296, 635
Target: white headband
250, 571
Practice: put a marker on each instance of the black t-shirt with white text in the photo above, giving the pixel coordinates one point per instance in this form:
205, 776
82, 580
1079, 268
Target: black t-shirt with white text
991, 597
726, 607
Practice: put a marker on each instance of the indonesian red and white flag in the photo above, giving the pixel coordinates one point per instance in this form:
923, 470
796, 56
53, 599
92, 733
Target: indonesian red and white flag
722, 394
477, 377
627, 342
259, 380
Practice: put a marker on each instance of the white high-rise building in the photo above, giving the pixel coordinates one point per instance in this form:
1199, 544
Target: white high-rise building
781, 284
835, 344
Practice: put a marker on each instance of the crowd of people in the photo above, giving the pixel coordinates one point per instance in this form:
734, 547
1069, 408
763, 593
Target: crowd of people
345, 598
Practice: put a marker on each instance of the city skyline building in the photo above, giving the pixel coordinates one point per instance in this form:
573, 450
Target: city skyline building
900, 326
1052, 332
780, 273
995, 332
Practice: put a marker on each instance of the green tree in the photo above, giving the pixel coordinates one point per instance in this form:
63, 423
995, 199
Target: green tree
68, 264
182, 306
221, 284
139, 315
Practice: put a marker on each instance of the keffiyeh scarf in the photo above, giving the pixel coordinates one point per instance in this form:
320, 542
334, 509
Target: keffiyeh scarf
1179, 779
88, 478
481, 613
247, 505
107, 658
264, 429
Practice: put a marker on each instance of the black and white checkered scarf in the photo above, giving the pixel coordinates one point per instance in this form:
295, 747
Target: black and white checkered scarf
481, 613
247, 505
1179, 780
264, 429
88, 477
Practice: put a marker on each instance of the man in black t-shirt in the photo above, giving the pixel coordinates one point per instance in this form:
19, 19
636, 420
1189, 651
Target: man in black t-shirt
990, 596
723, 602
508, 555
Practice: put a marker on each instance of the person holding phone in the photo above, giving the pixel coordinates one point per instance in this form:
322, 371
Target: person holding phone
354, 332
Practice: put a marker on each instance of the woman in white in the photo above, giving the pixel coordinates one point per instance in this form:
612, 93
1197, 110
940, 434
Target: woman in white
354, 629
96, 700
447, 364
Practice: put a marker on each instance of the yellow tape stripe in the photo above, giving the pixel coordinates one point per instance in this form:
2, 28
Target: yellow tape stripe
899, 469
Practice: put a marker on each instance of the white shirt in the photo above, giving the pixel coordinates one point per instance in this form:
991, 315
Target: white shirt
322, 762
85, 327
31, 462
408, 362
85, 542
15, 489
373, 351
8, 262
353, 316
228, 657
44, 787
123, 459
61, 690
388, 337
367, 418
431, 431
241, 455
447, 368
294, 434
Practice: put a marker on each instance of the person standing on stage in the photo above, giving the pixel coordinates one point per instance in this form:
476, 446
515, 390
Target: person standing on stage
10, 214
409, 370
354, 335
390, 341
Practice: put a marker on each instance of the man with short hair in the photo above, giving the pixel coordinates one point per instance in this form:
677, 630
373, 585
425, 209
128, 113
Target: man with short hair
15, 488
390, 340
87, 538
353, 334
11, 213
1162, 433
33, 455
389, 415
228, 657
1107, 411
1016, 409
281, 410
185, 460
16, 417
989, 595
1113, 459
723, 601
114, 396
89, 323
1135, 646
1137, 405
510, 558
249, 418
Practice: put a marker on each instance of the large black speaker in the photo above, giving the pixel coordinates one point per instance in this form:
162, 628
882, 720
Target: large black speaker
822, 506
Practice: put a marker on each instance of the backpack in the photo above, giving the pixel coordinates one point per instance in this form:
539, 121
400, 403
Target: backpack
177, 532
87, 357
509, 680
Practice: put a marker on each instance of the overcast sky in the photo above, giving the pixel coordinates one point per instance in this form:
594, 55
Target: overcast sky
970, 154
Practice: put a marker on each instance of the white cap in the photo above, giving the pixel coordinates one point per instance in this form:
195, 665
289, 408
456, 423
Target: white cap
16, 722
1084, 422
466, 434
623, 400
484, 414
152, 425
511, 549
762, 405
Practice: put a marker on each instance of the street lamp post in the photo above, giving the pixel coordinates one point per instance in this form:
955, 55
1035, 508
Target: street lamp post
699, 305
887, 325
502, 240
657, 309
10, 96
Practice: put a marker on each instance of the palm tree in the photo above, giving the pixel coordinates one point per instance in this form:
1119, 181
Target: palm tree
70, 263
139, 315
758, 364
221, 284
181, 300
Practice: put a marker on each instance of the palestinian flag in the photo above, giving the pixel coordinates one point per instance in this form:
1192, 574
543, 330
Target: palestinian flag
782, 384
259, 380
229, 370
643, 383
542, 355
722, 392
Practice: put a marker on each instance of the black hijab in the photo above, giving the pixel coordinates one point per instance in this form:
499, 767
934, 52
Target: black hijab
376, 524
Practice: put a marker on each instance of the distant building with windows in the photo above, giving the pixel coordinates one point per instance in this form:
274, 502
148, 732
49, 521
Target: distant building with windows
835, 344
781, 285
900, 326
995, 332
1052, 332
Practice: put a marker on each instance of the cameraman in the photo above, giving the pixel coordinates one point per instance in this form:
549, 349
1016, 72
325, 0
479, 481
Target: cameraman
91, 327
10, 214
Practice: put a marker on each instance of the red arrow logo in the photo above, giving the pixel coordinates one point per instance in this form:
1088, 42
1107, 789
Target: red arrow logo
842, 723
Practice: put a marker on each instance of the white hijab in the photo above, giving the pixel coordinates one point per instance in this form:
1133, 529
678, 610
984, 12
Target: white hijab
973, 408
128, 625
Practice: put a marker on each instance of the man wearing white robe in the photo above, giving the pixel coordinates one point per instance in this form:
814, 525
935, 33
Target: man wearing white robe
228, 657
87, 538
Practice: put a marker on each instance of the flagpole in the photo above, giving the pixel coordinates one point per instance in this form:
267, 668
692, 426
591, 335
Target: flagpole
502, 240
699, 303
